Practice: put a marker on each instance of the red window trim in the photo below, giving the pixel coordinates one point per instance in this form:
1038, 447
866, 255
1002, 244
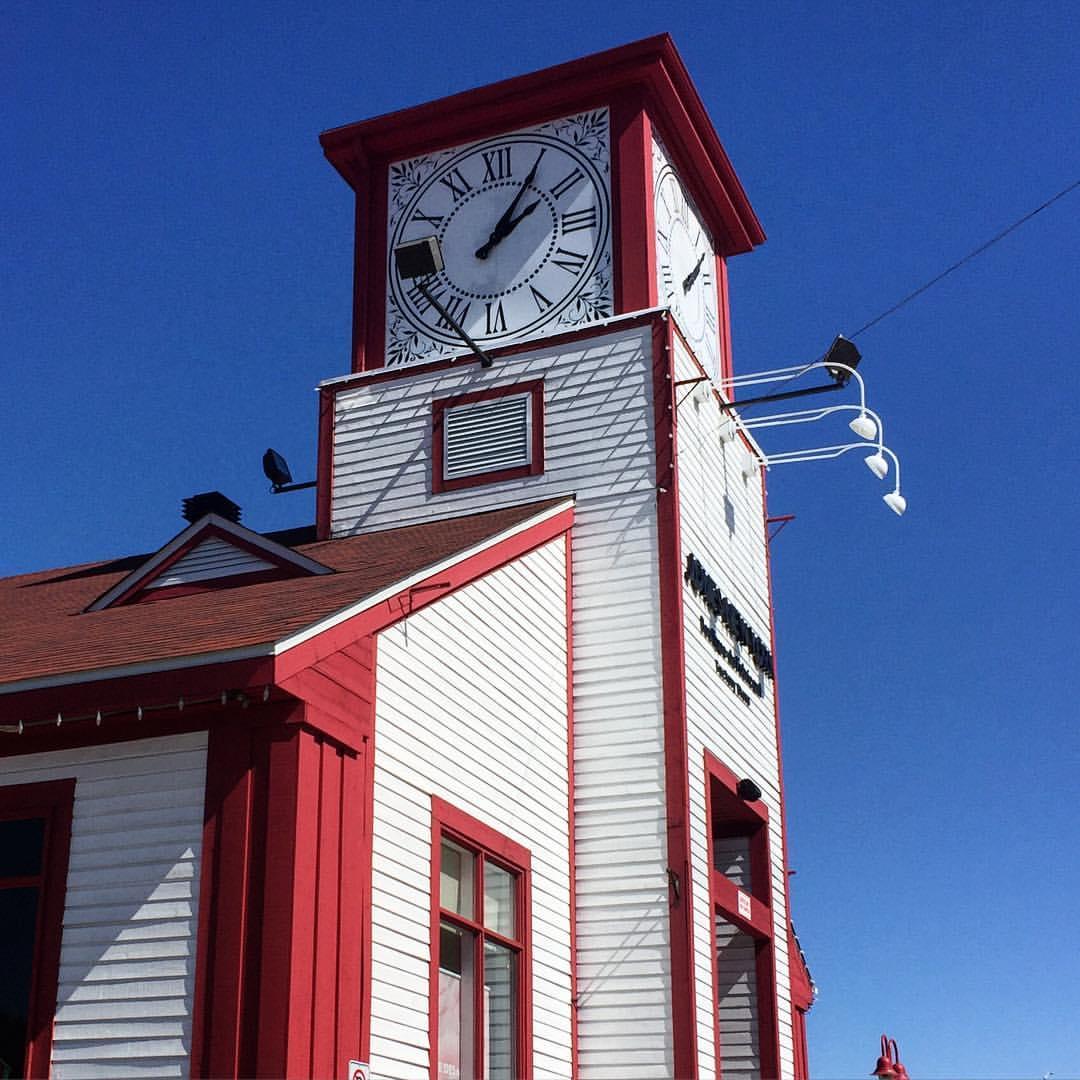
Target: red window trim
454, 824
724, 899
52, 800
535, 464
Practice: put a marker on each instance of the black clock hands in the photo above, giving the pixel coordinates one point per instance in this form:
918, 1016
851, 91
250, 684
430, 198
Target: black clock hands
508, 223
693, 275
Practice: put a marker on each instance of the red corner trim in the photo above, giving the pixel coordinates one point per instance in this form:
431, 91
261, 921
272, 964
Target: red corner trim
634, 249
673, 668
535, 465
52, 801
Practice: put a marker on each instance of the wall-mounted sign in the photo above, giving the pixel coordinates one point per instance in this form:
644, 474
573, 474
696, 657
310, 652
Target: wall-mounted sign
745, 909
743, 637
358, 1070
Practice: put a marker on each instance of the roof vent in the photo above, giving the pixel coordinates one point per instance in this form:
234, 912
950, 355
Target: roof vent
211, 502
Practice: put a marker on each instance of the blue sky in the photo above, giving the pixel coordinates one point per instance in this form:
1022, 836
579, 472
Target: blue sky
176, 279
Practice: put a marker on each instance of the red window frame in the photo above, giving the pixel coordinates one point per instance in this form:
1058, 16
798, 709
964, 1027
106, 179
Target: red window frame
750, 912
52, 800
450, 823
535, 465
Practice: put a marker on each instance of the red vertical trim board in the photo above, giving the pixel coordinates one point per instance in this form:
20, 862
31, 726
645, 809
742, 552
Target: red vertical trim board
633, 249
673, 669
433, 966
779, 750
724, 300
369, 287
52, 800
324, 468
572, 844
223, 913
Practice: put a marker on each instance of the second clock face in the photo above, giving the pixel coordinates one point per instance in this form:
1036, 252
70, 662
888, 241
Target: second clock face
686, 266
524, 223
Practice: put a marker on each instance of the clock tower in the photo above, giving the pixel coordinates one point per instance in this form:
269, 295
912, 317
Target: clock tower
585, 215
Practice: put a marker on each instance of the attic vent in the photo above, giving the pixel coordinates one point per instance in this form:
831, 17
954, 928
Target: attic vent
210, 502
487, 436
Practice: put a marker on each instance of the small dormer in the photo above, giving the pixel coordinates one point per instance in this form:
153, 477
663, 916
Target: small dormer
214, 552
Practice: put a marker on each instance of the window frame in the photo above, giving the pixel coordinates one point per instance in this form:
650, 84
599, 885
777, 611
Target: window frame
450, 823
725, 899
440, 482
54, 801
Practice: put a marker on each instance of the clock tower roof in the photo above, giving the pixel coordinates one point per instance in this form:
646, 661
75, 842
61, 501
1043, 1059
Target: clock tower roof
649, 71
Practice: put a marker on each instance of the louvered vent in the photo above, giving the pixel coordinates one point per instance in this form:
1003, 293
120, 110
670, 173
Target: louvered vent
487, 436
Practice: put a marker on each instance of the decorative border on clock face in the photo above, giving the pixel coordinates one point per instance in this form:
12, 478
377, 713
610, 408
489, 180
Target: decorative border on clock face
586, 135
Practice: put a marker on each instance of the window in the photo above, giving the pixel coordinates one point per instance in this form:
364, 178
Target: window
488, 436
35, 833
741, 893
481, 1025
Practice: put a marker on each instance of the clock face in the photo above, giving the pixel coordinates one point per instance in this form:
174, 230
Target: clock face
686, 266
524, 224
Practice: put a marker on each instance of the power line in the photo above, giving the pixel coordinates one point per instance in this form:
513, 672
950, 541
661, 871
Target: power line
967, 258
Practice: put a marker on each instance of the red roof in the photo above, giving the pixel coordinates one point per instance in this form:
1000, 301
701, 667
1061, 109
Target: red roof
45, 630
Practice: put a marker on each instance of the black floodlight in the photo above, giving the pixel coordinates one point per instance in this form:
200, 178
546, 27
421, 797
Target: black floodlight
276, 468
747, 790
842, 351
417, 260
277, 472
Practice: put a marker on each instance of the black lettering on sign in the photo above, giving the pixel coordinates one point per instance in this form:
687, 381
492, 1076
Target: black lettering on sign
497, 164
458, 185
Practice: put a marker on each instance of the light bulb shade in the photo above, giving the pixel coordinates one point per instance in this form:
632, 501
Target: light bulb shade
884, 1069
878, 465
895, 502
864, 427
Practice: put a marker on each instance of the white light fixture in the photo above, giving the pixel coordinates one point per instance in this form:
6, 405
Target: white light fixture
863, 426
877, 464
894, 500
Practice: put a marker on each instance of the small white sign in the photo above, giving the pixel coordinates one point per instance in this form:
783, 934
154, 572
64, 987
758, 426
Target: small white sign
744, 911
358, 1070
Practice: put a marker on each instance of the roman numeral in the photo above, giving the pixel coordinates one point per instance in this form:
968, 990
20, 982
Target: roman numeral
497, 164
710, 318
567, 182
458, 308
571, 261
667, 280
419, 301
665, 240
496, 320
579, 219
542, 302
458, 185
434, 220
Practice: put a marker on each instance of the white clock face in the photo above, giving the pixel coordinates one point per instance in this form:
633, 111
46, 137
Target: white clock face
686, 268
524, 223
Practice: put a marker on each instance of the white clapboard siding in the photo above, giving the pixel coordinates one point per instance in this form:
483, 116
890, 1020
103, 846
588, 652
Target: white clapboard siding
472, 708
599, 447
722, 524
127, 955
213, 558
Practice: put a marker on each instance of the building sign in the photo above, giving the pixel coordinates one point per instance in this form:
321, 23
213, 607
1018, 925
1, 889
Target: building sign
744, 640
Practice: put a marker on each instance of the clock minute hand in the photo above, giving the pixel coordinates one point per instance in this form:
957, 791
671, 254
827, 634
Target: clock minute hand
506, 224
693, 275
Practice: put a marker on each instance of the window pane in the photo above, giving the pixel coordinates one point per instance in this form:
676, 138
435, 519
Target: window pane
20, 847
499, 900
456, 890
18, 917
457, 992
500, 1013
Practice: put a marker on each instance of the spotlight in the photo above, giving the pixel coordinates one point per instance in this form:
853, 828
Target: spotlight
747, 790
841, 351
276, 468
864, 427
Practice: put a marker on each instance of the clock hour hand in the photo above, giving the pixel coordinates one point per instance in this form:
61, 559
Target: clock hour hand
693, 275
507, 223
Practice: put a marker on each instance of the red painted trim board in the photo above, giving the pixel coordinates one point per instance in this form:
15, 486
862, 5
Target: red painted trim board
324, 469
572, 843
673, 671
